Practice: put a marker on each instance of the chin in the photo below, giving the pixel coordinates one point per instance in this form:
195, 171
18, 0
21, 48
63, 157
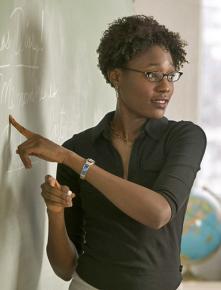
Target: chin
155, 115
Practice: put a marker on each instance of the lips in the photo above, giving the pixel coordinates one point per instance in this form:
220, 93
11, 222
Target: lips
163, 101
160, 102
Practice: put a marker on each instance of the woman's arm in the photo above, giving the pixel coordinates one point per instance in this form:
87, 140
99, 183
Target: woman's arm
142, 204
61, 252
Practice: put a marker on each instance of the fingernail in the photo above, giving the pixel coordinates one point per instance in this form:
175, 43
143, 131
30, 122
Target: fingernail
69, 193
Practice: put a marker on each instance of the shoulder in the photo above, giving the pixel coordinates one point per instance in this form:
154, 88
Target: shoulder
185, 136
186, 130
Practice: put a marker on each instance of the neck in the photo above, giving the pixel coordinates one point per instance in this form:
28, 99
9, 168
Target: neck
127, 124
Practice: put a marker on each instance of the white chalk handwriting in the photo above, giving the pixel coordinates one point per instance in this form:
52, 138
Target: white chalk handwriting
20, 35
13, 97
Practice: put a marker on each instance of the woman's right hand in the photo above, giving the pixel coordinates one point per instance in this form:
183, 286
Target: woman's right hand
37, 145
56, 196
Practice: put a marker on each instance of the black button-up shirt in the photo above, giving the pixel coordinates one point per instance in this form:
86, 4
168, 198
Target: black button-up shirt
117, 252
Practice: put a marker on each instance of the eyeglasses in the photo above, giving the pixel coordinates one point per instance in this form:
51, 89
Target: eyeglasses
155, 76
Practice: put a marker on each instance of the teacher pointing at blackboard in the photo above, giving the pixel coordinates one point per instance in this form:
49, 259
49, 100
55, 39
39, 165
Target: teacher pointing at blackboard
117, 206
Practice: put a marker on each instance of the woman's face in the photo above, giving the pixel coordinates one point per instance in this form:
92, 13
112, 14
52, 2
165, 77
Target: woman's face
137, 94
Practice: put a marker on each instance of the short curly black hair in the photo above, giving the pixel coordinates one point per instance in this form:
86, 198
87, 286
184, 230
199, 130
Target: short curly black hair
128, 36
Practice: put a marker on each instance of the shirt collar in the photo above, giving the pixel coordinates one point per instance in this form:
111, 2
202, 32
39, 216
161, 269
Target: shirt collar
153, 127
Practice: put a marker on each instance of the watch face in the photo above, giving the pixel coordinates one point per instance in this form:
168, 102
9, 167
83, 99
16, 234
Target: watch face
86, 166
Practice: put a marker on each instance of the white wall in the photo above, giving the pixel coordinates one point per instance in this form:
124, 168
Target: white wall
182, 17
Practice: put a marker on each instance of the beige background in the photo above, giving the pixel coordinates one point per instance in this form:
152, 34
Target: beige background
185, 17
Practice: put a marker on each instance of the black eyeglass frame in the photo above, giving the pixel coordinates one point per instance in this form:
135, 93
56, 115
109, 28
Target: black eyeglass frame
147, 74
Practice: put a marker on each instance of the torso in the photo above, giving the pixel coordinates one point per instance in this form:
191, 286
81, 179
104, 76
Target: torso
125, 151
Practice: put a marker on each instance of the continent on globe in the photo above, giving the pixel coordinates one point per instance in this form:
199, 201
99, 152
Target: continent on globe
201, 236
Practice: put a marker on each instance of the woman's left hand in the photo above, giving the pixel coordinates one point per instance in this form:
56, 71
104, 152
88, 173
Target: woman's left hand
37, 145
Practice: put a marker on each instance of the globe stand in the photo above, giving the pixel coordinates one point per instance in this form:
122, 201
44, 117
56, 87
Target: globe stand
188, 275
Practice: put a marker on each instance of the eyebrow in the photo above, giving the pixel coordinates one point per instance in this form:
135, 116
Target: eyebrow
157, 64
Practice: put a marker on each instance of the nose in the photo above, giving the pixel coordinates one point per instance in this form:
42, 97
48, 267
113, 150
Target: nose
164, 85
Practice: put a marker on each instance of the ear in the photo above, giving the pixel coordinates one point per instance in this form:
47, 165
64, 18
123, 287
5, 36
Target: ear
114, 76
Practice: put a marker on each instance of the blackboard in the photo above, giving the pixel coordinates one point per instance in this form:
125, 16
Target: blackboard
49, 81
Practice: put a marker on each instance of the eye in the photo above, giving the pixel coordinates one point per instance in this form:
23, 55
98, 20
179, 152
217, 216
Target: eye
173, 76
154, 76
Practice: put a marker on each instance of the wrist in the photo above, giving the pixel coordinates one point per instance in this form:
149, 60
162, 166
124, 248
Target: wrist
73, 160
55, 214
64, 155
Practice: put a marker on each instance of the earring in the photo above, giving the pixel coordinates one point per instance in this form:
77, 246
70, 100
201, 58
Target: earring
116, 90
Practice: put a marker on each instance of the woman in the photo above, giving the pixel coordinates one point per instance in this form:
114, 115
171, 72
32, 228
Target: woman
123, 230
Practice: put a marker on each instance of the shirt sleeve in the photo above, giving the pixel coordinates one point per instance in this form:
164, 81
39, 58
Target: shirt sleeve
73, 215
185, 148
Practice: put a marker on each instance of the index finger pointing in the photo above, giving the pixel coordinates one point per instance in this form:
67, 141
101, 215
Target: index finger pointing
25, 132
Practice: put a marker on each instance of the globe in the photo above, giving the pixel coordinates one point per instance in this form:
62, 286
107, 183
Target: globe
201, 236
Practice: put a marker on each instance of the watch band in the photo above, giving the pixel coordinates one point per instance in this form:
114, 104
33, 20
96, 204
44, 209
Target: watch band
86, 167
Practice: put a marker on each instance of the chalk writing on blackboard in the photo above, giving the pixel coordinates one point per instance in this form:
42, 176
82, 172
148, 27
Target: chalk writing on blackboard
20, 25
12, 98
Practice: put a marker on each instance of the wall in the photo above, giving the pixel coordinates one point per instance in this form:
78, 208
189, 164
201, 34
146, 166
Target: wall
183, 17
49, 81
